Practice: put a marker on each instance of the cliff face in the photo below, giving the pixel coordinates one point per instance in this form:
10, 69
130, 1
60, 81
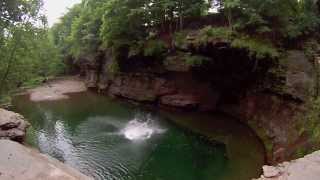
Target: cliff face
270, 95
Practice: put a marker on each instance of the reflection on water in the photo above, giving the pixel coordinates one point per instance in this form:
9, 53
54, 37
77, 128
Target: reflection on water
109, 140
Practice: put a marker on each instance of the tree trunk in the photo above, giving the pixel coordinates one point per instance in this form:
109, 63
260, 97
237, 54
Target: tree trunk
181, 16
230, 21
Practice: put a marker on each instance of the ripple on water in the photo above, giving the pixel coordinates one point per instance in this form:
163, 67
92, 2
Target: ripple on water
110, 141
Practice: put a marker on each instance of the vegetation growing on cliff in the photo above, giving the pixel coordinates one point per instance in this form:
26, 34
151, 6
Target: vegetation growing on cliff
262, 27
242, 41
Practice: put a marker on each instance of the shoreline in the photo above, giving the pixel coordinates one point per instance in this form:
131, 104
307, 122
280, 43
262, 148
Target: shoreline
20, 161
57, 89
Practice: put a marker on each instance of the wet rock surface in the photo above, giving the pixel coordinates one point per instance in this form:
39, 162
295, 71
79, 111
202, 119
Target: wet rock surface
12, 126
307, 168
19, 162
273, 118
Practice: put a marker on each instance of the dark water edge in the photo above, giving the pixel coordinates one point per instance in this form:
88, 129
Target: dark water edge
100, 137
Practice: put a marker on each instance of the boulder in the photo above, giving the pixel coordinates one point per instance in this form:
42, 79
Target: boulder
12, 126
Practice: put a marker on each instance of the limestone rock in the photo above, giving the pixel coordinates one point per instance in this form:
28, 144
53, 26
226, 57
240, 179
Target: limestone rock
139, 87
274, 119
185, 101
299, 77
270, 171
307, 168
19, 162
91, 78
12, 126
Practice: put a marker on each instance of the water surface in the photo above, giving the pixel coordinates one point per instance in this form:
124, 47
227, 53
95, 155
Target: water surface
111, 140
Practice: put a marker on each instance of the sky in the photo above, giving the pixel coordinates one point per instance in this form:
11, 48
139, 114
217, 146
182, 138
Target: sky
54, 9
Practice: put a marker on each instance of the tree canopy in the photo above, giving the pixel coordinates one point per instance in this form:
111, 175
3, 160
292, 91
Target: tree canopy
26, 52
30, 49
96, 25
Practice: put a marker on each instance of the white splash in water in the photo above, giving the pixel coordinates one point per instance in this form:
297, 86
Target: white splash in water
137, 130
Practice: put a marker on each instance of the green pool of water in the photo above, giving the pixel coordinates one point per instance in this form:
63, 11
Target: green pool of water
110, 140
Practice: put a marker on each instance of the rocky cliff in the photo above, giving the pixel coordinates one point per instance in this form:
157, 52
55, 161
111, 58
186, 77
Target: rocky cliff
270, 94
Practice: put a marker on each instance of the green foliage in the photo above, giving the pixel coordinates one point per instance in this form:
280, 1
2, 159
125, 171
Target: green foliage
203, 36
136, 48
61, 32
210, 33
196, 60
219, 32
257, 49
26, 51
180, 38
309, 125
95, 25
305, 20
155, 48
78, 33
312, 127
123, 21
131, 27
113, 68
5, 100
289, 19
310, 49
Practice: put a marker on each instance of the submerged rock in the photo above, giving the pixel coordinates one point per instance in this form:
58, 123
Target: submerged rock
12, 126
307, 168
19, 162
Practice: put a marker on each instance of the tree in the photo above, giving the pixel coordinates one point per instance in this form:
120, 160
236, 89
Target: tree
26, 51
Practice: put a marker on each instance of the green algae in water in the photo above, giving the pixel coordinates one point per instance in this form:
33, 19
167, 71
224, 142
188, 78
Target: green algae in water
107, 139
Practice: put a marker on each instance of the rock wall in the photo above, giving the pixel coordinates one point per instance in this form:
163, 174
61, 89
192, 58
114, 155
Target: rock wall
176, 91
269, 95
